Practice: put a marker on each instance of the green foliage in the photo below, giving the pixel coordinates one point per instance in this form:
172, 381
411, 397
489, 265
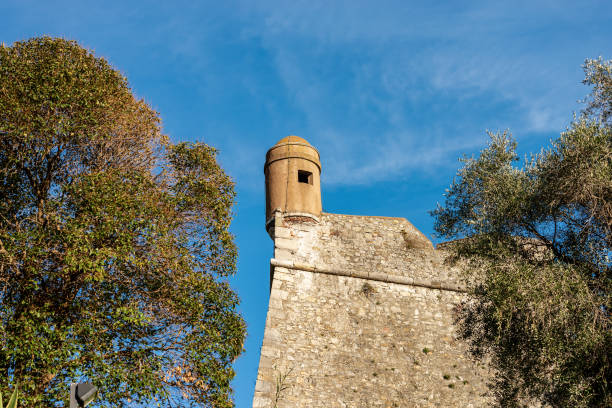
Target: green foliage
114, 242
12, 401
282, 385
367, 290
598, 74
537, 249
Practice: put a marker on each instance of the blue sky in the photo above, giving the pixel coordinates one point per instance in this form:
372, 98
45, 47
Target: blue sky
390, 92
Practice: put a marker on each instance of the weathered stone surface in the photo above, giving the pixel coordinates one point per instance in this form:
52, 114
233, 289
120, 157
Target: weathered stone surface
359, 245
347, 327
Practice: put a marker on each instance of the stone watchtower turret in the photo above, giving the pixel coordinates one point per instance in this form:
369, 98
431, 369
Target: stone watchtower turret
361, 307
293, 179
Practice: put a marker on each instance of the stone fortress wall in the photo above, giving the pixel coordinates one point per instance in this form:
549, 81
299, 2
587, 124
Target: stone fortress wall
361, 308
361, 315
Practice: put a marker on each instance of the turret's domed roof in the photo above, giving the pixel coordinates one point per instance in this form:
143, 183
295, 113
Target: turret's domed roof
292, 139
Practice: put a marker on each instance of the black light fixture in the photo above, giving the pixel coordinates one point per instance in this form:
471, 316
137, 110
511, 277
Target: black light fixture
82, 394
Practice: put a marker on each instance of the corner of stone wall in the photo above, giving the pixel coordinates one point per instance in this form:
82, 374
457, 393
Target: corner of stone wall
284, 244
270, 356
293, 235
414, 238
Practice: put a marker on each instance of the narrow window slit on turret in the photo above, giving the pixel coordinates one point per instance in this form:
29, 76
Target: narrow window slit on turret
304, 177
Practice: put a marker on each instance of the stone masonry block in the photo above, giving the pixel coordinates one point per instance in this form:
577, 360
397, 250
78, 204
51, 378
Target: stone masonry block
282, 232
283, 254
287, 243
262, 402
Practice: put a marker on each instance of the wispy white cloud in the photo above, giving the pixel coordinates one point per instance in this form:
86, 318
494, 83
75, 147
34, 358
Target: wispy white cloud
366, 82
359, 72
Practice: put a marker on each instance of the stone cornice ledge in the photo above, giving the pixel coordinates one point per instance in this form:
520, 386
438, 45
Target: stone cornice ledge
381, 277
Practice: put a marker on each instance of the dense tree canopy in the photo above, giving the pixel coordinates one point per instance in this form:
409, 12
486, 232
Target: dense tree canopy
538, 250
114, 242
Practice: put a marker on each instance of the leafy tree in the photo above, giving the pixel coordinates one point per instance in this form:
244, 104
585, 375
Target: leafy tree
114, 242
537, 250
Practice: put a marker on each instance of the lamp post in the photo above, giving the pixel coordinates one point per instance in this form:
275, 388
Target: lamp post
82, 394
